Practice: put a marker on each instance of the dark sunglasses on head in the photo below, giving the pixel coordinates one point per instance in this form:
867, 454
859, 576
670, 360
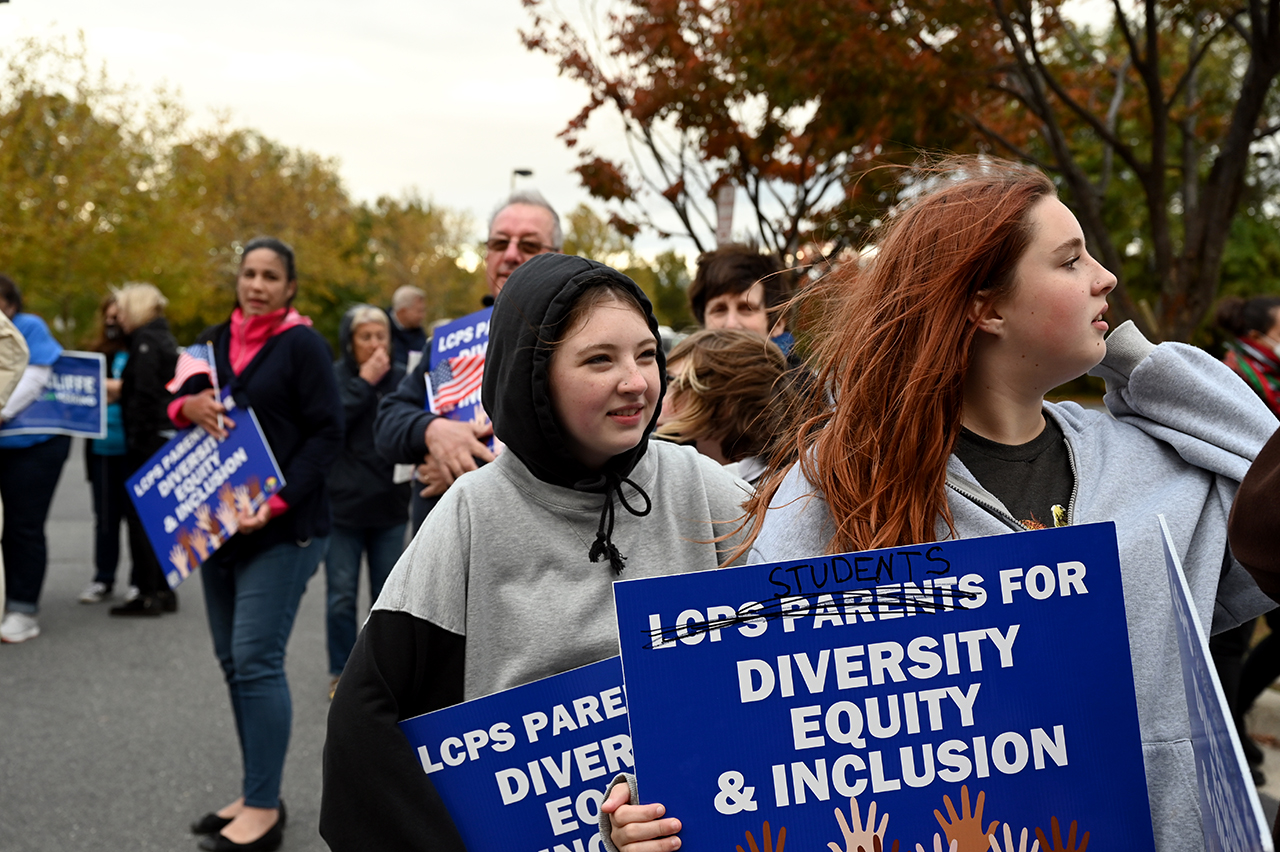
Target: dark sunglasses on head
526, 246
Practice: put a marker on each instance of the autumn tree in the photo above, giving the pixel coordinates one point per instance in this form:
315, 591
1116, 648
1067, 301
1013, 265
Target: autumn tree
664, 278
790, 102
78, 160
408, 241
101, 185
1162, 111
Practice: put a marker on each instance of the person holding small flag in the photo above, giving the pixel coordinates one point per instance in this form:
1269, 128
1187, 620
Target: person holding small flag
268, 358
406, 430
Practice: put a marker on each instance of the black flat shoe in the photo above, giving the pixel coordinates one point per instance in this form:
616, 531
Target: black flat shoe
168, 600
268, 842
144, 605
210, 823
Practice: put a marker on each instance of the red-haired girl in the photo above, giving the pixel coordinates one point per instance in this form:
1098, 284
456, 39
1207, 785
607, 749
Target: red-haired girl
938, 352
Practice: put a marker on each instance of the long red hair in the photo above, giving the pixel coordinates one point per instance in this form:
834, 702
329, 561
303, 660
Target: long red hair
892, 342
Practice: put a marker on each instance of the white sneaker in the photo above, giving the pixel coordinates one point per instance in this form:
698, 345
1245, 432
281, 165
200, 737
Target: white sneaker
18, 627
95, 592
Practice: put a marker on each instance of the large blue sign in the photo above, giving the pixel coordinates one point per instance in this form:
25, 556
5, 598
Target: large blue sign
189, 492
455, 367
1231, 813
953, 689
525, 769
73, 401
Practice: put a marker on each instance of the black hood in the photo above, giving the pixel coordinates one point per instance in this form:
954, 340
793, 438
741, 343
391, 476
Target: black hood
527, 318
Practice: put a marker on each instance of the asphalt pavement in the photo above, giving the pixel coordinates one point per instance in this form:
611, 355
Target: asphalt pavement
116, 733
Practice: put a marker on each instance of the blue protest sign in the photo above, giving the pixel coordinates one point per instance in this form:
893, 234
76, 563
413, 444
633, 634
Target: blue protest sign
1233, 817
188, 493
529, 763
73, 401
455, 368
987, 680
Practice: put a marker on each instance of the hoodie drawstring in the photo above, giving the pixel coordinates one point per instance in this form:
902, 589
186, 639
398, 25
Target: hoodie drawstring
604, 545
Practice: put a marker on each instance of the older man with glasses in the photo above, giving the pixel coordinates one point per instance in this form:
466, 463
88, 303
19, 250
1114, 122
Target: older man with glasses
524, 226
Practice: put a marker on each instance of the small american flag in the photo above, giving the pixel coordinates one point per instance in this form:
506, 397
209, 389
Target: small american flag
192, 361
453, 380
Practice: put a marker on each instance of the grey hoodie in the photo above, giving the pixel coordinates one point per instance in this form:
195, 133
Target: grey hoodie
1181, 433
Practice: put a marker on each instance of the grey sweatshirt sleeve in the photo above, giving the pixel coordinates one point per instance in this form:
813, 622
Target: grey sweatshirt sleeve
1185, 397
606, 823
1189, 400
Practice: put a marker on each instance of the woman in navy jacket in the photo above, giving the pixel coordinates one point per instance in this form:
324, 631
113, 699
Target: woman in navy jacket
270, 359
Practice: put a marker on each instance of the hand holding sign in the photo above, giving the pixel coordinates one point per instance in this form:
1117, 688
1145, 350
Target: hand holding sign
204, 410
634, 826
457, 444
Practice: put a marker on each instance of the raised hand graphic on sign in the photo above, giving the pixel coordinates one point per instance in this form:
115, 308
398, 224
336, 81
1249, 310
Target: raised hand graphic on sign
965, 828
860, 837
937, 845
767, 840
1057, 845
1008, 842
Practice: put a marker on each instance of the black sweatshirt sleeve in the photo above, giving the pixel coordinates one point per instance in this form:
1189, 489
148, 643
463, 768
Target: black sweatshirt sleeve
1254, 529
376, 794
399, 432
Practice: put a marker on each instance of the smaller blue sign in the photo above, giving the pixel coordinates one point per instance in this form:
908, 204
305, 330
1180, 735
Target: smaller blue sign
73, 401
529, 763
455, 368
1230, 812
189, 493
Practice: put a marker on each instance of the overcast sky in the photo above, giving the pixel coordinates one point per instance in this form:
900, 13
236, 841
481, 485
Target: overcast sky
438, 96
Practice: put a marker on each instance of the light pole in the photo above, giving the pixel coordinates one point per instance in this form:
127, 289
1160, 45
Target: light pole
519, 173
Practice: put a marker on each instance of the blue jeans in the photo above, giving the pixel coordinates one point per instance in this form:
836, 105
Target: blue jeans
28, 478
251, 606
342, 581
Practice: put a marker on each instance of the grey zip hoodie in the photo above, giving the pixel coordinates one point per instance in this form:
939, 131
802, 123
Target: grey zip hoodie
1181, 432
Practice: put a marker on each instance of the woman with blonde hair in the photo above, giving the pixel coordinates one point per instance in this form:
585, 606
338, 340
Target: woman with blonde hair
728, 393
153, 356
938, 354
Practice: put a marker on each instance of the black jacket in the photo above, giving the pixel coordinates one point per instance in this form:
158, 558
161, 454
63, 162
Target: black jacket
291, 388
405, 340
153, 356
360, 486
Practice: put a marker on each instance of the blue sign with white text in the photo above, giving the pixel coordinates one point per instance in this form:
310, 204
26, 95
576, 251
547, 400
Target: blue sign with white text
72, 402
455, 369
1231, 814
955, 689
189, 492
524, 770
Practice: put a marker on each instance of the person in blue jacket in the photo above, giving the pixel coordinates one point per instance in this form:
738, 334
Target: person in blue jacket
29, 469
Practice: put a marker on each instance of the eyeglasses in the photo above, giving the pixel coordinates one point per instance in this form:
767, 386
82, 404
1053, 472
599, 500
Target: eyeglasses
525, 246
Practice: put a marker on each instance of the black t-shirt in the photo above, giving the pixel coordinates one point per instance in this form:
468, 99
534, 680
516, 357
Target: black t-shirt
1033, 480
